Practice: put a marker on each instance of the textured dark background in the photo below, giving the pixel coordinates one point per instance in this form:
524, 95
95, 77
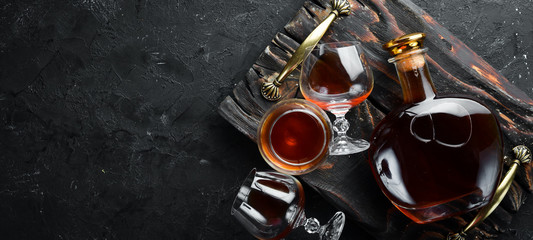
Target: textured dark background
108, 111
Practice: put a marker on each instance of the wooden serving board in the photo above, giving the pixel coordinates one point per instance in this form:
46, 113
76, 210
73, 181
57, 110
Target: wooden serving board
346, 181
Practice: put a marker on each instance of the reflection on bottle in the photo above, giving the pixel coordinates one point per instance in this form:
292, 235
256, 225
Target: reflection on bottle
436, 124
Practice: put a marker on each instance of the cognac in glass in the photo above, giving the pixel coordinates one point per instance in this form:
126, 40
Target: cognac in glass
293, 136
434, 156
336, 77
270, 204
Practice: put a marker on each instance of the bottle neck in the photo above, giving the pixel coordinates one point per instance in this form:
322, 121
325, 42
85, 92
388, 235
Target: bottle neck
414, 76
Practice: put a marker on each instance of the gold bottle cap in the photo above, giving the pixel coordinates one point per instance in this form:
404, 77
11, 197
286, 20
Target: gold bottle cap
405, 43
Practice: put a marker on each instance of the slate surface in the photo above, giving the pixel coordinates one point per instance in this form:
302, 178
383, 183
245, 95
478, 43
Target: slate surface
108, 121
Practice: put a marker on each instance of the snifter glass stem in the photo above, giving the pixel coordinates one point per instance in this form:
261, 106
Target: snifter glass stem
330, 231
342, 144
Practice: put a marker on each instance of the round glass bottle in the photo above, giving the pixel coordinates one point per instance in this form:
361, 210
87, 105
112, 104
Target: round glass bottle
434, 156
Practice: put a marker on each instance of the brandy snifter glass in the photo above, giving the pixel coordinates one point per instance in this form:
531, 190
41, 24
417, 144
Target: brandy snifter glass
271, 204
337, 77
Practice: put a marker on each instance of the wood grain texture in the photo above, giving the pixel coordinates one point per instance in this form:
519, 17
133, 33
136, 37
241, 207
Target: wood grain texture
346, 181
514, 198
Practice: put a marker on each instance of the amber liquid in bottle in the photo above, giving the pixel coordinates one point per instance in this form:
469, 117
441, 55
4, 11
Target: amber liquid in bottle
435, 156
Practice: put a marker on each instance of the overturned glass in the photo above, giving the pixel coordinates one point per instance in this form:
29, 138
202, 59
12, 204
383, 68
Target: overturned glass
271, 204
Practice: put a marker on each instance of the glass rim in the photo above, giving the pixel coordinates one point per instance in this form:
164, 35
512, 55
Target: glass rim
340, 43
249, 179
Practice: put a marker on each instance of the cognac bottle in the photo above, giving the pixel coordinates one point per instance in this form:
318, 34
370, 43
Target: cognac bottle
434, 156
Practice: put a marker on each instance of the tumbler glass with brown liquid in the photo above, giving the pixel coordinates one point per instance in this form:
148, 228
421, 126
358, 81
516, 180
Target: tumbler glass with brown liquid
293, 136
434, 156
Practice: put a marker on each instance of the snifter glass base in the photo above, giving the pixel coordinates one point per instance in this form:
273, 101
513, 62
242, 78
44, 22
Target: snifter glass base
344, 145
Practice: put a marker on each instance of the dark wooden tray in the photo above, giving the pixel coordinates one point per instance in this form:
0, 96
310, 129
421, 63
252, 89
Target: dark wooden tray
346, 181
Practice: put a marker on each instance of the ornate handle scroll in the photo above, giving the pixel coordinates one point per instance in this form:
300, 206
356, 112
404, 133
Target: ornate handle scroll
270, 90
522, 156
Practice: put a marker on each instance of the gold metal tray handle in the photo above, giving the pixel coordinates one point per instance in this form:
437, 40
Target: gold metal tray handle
522, 156
270, 90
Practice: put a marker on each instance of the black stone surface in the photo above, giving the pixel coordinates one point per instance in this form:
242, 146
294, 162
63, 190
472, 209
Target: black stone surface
108, 111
